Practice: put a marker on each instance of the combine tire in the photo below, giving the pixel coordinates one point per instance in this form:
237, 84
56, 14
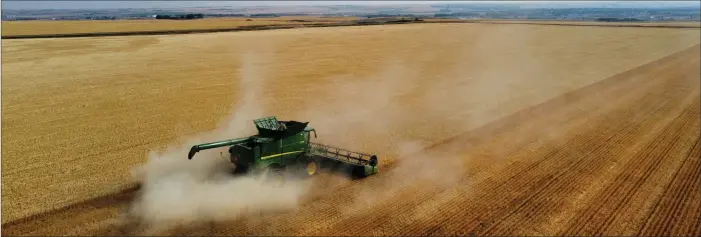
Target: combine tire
312, 167
307, 167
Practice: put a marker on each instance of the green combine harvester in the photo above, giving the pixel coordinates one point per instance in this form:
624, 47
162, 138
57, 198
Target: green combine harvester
285, 146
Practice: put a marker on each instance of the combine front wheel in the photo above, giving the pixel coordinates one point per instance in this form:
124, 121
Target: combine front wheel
306, 166
312, 167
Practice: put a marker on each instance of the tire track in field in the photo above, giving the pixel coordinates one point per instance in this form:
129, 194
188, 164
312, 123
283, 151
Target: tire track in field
693, 213
352, 221
678, 194
548, 200
514, 177
562, 170
532, 214
555, 201
494, 191
566, 207
676, 210
632, 213
654, 144
610, 200
693, 219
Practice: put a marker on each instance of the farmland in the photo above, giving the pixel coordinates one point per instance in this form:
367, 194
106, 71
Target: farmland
498, 129
92, 28
11, 28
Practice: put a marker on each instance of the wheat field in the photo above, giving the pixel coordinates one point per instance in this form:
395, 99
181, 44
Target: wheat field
45, 27
102, 26
79, 114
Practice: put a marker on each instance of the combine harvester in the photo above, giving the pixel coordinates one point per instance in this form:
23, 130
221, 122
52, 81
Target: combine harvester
285, 146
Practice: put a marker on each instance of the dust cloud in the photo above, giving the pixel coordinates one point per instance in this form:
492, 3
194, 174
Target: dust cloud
399, 114
176, 191
365, 110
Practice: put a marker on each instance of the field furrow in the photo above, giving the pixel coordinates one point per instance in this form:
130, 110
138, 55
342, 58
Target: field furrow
516, 176
628, 181
667, 217
692, 219
676, 211
651, 173
472, 201
561, 192
412, 229
569, 159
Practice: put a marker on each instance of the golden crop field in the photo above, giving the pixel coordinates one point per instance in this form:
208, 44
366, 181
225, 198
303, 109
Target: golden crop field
14, 28
101, 26
486, 129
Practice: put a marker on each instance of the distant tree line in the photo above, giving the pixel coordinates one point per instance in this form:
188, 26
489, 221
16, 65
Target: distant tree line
457, 14
611, 19
226, 15
388, 15
181, 17
100, 18
264, 15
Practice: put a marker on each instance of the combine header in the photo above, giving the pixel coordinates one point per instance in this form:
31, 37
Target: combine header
286, 145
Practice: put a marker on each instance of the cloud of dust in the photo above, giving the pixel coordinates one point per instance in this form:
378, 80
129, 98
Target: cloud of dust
360, 107
415, 167
176, 191
496, 79
364, 110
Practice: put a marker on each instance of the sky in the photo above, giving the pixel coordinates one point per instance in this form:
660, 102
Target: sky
23, 4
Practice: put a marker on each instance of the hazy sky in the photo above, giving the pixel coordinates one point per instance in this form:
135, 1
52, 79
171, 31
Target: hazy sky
19, 4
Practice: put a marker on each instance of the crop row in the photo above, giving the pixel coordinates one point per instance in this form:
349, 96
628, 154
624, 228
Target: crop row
673, 213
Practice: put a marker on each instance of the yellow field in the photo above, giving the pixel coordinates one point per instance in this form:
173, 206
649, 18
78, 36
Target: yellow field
12, 28
79, 114
100, 26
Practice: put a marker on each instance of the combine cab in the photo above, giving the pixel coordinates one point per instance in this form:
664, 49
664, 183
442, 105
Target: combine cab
286, 145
